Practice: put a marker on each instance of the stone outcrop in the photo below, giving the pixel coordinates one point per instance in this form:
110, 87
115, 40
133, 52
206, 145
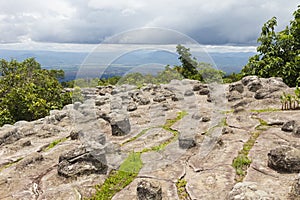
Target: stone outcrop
80, 161
147, 190
67, 153
285, 159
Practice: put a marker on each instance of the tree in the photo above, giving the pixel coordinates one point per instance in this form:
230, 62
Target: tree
192, 69
278, 52
28, 92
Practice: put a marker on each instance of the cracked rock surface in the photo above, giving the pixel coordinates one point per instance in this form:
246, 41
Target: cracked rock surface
64, 155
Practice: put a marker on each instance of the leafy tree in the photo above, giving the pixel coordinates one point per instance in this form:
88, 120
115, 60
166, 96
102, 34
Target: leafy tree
278, 52
28, 92
192, 69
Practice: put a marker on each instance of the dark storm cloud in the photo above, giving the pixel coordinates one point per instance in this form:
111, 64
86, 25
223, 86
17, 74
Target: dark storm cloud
235, 22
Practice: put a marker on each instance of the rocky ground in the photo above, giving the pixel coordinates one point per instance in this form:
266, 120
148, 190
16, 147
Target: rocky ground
65, 155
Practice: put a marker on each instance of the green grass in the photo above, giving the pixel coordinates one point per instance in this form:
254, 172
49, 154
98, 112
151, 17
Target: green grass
118, 179
54, 143
129, 169
137, 136
10, 164
242, 162
181, 189
266, 110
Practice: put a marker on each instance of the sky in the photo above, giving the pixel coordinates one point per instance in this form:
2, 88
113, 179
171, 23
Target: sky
82, 24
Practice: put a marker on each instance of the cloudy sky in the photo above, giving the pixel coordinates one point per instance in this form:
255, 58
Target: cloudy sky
77, 23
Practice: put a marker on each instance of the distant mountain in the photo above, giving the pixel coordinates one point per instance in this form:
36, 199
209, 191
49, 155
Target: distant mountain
143, 61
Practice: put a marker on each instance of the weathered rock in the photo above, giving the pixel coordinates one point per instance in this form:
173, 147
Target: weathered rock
9, 134
120, 124
248, 190
131, 107
199, 86
79, 161
204, 91
248, 79
295, 190
296, 132
255, 85
159, 98
187, 141
288, 126
238, 86
234, 96
188, 93
205, 119
284, 159
227, 130
147, 190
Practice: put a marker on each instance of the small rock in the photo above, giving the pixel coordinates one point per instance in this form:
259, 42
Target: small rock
131, 107
159, 98
255, 85
284, 159
295, 191
79, 161
187, 141
147, 190
227, 130
234, 96
296, 132
288, 126
204, 91
188, 93
26, 143
238, 86
205, 119
120, 124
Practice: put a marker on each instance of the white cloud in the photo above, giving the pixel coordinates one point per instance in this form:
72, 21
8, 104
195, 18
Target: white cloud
90, 21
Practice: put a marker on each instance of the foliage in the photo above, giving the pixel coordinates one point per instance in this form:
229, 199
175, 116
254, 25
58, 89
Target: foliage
54, 143
181, 189
233, 77
278, 53
242, 162
290, 102
119, 179
28, 92
192, 69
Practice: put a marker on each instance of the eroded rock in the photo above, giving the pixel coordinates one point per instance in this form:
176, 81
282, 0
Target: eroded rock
147, 190
284, 159
79, 162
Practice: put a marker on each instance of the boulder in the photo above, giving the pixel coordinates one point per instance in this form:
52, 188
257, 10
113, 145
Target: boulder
238, 86
131, 107
80, 161
147, 190
187, 141
288, 126
204, 91
9, 134
285, 159
296, 132
120, 124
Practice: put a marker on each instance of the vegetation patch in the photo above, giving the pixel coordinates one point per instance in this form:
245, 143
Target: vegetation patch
266, 110
54, 143
137, 136
118, 179
181, 189
10, 164
129, 169
242, 162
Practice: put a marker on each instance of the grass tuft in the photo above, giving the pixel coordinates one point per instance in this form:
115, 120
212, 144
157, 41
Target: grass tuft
54, 143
